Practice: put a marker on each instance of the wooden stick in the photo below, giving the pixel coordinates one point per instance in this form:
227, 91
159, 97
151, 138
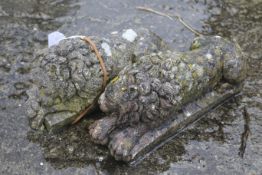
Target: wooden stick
170, 17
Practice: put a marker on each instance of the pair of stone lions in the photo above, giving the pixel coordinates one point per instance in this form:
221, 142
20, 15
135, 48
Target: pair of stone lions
149, 83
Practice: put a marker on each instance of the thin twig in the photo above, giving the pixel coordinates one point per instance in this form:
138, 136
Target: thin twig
245, 134
84, 112
154, 11
170, 17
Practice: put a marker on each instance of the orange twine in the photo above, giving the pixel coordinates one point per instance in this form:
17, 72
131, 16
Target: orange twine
105, 77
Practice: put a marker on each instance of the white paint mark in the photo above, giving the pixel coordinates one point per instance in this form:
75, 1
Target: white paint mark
114, 32
41, 163
54, 38
107, 49
217, 36
209, 56
75, 36
187, 113
130, 35
100, 158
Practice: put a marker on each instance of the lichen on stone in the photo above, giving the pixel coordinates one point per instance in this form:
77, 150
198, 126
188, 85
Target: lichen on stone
67, 77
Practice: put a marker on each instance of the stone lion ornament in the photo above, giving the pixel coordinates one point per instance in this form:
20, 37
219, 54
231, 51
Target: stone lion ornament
147, 91
164, 91
68, 77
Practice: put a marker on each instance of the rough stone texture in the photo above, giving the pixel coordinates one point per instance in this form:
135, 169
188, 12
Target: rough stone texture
67, 77
210, 146
161, 84
178, 121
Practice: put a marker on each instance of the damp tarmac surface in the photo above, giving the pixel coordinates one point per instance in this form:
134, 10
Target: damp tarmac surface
226, 141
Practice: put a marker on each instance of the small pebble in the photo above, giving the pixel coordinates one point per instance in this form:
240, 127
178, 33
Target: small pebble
129, 35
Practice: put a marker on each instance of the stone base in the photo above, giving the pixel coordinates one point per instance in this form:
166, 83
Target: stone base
194, 111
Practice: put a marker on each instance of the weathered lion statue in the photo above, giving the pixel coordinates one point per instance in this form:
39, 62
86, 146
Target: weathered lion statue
144, 95
151, 91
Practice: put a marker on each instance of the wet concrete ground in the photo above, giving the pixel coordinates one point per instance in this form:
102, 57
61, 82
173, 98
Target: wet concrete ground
226, 141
